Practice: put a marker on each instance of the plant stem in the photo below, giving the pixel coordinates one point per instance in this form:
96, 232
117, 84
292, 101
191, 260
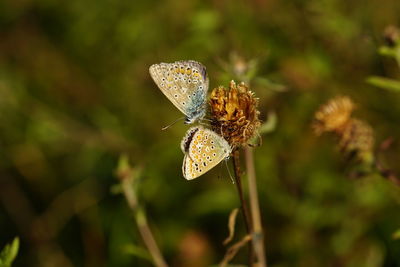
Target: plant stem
244, 208
141, 221
258, 236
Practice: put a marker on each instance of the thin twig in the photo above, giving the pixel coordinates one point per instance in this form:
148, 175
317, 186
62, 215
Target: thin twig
233, 250
244, 207
258, 236
141, 220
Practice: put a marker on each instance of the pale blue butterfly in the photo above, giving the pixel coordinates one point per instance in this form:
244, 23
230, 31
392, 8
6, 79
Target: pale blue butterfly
185, 84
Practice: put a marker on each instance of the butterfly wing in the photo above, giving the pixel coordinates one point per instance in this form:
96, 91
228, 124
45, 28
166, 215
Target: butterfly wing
205, 151
184, 83
188, 138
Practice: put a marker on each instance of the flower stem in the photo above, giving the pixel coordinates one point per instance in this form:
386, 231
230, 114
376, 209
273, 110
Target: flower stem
142, 224
258, 236
244, 207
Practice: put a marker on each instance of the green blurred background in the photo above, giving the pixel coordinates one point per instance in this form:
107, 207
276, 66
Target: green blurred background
75, 94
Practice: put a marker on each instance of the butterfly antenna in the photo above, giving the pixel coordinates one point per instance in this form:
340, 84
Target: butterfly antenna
166, 127
230, 175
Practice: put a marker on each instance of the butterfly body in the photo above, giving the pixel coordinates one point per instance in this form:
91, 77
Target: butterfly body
185, 84
196, 109
203, 149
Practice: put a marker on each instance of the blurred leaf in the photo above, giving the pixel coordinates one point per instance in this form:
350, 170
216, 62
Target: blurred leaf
388, 51
396, 235
231, 225
270, 124
384, 83
9, 252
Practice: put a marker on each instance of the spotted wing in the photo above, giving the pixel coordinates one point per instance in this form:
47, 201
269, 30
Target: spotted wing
205, 151
188, 138
182, 82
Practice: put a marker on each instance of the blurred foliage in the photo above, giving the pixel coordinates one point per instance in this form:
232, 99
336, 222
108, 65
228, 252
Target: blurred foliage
384, 83
9, 252
391, 50
75, 94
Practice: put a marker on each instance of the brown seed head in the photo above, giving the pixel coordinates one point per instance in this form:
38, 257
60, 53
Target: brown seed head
234, 113
357, 138
391, 35
333, 115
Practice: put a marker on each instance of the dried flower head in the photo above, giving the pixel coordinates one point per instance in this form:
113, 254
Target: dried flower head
234, 113
391, 35
333, 115
357, 139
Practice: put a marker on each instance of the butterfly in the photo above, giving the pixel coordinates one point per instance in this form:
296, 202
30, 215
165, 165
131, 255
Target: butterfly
185, 84
203, 150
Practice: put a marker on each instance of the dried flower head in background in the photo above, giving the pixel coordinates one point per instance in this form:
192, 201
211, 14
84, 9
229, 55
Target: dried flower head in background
333, 115
234, 113
391, 35
355, 137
